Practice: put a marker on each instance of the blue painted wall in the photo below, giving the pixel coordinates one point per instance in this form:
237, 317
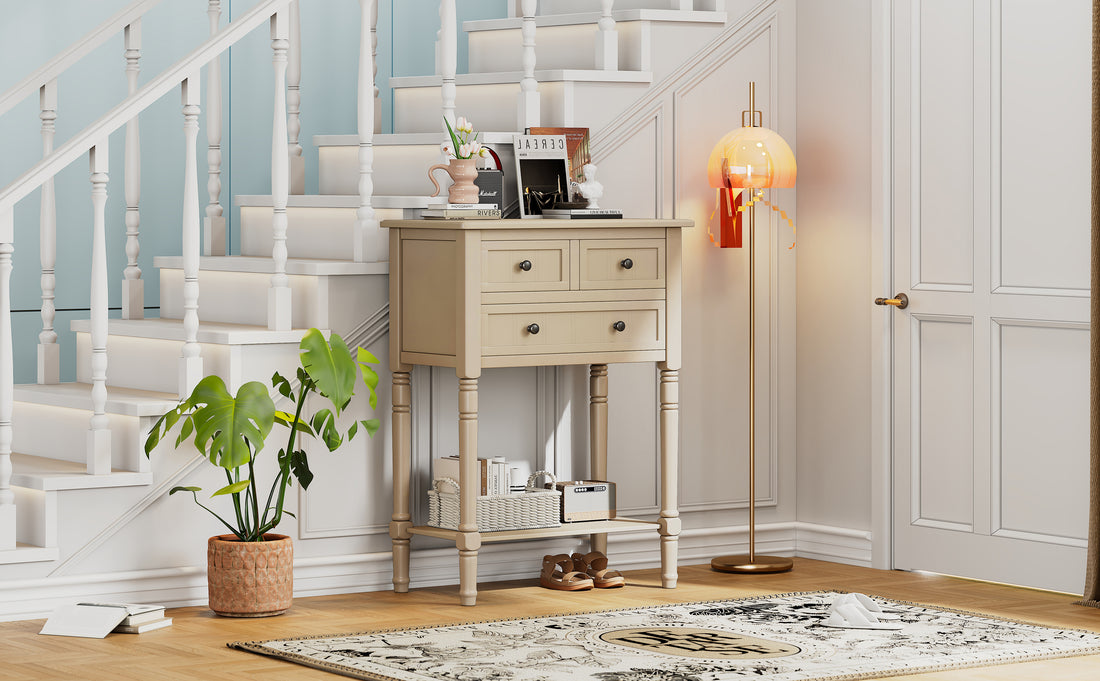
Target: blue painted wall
33, 32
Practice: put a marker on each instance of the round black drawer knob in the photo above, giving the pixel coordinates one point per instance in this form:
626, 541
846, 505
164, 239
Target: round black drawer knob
627, 263
619, 326
525, 265
532, 328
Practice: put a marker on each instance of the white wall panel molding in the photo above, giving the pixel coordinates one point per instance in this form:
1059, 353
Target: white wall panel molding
364, 572
1035, 449
945, 451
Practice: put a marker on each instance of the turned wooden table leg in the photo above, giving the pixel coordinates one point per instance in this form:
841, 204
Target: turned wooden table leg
469, 539
597, 432
401, 522
670, 431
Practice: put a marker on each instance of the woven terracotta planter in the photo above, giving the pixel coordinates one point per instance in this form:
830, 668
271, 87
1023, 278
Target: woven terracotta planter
250, 579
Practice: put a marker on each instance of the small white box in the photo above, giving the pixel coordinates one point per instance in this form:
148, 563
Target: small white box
583, 500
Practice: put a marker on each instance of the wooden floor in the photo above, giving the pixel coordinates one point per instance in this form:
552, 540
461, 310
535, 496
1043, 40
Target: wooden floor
194, 647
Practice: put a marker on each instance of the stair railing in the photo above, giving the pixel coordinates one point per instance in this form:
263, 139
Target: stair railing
607, 39
44, 81
93, 141
528, 107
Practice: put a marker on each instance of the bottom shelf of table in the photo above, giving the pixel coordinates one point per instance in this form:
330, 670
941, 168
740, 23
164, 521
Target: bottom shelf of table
564, 530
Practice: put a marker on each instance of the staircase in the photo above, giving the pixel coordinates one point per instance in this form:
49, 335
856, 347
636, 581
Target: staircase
589, 67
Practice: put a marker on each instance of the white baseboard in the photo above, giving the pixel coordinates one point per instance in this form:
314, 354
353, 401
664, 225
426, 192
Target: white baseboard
185, 586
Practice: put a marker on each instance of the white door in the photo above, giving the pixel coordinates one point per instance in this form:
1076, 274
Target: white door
991, 130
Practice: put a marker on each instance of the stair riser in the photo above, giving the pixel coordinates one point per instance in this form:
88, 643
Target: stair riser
153, 364
556, 47
61, 433
577, 6
400, 170
406, 168
311, 232
493, 107
36, 521
241, 298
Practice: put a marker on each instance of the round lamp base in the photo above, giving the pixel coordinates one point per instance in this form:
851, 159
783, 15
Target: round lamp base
757, 564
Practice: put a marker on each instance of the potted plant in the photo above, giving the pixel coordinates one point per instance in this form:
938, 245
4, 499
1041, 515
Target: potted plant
250, 571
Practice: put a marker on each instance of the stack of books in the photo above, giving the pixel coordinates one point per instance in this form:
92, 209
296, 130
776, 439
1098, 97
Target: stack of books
581, 213
462, 211
496, 475
139, 618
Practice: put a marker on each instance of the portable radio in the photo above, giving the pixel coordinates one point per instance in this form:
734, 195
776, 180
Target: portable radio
586, 500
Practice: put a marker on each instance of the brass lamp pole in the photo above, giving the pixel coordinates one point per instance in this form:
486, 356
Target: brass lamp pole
751, 562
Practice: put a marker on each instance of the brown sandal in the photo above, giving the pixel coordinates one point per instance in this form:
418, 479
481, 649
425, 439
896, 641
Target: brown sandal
594, 564
565, 579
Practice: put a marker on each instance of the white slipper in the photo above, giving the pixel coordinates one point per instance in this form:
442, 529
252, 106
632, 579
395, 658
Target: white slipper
873, 607
852, 616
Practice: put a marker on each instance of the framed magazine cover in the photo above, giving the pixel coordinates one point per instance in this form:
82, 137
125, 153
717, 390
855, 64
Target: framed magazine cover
542, 172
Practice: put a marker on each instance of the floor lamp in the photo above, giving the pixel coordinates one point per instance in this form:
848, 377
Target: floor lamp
751, 158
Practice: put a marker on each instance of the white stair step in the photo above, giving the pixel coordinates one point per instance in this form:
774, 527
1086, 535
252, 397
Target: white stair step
25, 553
43, 474
318, 227
569, 98
235, 289
145, 353
405, 159
52, 422
648, 40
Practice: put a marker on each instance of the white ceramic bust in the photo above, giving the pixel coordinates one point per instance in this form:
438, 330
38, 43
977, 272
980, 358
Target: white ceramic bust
590, 188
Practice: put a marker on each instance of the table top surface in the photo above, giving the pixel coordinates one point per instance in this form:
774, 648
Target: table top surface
533, 223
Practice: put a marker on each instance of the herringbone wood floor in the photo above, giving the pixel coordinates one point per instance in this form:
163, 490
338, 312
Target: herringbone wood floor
194, 647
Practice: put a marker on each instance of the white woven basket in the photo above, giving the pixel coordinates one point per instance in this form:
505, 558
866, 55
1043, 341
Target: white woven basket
531, 509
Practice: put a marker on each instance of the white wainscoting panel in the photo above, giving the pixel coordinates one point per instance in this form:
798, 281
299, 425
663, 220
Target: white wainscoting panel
943, 154
943, 423
1041, 404
1044, 113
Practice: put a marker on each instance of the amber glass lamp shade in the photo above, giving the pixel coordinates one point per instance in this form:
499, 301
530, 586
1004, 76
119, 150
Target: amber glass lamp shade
752, 158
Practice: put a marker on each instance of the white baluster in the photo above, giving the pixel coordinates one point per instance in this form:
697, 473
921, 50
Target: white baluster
294, 102
370, 242
278, 300
99, 435
448, 60
49, 354
213, 226
7, 387
527, 109
684, 5
191, 355
607, 40
133, 286
374, 62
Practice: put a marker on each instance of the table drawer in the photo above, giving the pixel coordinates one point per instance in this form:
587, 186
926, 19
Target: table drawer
572, 327
525, 265
622, 263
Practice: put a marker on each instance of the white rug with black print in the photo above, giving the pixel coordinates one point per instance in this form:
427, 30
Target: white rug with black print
780, 638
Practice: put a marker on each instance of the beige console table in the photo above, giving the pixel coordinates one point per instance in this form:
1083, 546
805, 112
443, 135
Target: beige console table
473, 294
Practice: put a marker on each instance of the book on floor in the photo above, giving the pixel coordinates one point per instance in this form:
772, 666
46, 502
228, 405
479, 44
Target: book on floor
143, 627
136, 613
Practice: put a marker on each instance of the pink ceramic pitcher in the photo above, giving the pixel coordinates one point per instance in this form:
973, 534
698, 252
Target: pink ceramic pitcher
463, 172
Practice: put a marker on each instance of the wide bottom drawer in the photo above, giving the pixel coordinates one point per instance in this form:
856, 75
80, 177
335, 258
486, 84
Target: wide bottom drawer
554, 328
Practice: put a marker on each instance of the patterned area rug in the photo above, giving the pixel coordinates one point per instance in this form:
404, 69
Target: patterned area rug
779, 638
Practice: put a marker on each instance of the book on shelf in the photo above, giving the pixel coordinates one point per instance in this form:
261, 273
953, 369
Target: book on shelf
461, 213
581, 213
463, 206
494, 473
577, 147
143, 627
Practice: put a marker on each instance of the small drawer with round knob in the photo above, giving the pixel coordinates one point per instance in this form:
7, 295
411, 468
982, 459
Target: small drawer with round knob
621, 263
524, 266
570, 328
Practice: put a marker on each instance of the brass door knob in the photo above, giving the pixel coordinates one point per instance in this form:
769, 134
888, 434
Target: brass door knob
900, 301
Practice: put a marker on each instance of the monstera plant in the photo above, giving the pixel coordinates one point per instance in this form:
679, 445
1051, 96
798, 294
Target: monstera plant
232, 431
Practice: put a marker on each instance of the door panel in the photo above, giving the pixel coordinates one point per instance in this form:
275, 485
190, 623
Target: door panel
990, 361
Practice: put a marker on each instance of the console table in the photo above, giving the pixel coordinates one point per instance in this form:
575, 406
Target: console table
474, 294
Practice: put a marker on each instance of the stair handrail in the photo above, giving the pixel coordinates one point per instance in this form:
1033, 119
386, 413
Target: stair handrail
74, 53
133, 105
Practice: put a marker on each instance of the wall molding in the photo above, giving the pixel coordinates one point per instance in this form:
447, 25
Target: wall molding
364, 572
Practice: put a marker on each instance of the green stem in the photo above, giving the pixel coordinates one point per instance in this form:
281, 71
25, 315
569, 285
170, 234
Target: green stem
252, 493
236, 507
222, 521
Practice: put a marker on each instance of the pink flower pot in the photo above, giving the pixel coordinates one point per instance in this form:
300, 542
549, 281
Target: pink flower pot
463, 172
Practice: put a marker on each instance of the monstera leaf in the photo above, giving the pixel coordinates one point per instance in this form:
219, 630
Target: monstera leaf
229, 429
330, 366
